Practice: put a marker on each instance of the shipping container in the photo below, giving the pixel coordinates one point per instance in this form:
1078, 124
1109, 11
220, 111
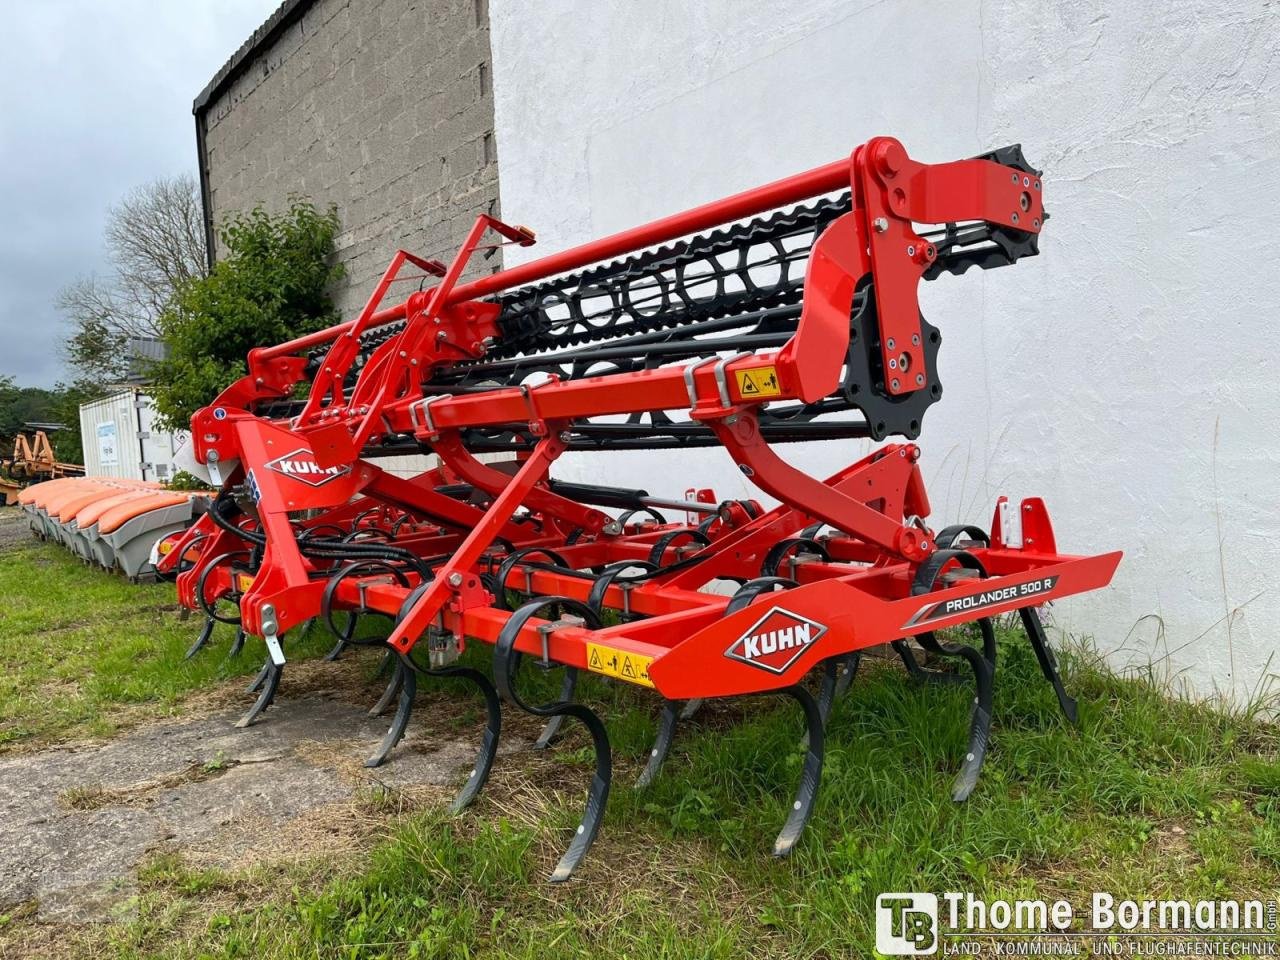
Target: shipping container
121, 439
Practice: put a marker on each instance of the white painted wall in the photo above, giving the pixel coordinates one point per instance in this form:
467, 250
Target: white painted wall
1126, 375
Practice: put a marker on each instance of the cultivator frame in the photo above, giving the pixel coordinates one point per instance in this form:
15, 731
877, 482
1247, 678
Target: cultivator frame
584, 351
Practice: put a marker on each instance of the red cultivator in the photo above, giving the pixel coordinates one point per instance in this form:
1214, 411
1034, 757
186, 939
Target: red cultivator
801, 324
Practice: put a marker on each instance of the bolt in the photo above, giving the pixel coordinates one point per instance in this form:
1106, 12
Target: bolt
920, 379
455, 579
1015, 178
1026, 182
911, 251
403, 354
915, 339
1015, 218
893, 364
881, 224
1036, 222
441, 335
1037, 184
891, 343
894, 383
565, 436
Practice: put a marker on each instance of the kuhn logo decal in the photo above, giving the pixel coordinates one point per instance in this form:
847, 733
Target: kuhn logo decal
981, 599
776, 641
301, 465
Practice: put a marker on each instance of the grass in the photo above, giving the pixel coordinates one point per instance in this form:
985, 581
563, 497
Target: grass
84, 652
1148, 798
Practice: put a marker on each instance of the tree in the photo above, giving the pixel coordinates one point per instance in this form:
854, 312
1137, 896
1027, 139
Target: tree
22, 405
271, 285
155, 242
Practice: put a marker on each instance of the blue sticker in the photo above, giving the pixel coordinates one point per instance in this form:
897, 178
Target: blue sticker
219, 413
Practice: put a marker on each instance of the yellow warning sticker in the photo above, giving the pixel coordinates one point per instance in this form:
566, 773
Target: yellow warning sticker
758, 382
243, 582
631, 667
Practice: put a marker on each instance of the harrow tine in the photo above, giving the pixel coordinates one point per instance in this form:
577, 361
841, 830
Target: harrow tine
1048, 665
388, 658
270, 684
237, 644
406, 681
980, 717
205, 633
505, 662
568, 687
672, 714
810, 774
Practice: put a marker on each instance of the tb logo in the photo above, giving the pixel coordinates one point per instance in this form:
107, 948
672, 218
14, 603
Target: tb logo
906, 924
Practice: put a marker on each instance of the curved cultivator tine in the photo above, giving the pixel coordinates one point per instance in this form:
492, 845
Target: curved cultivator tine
810, 773
568, 687
837, 675
259, 678
980, 717
691, 708
672, 714
205, 633
406, 682
237, 644
492, 733
506, 661
1048, 665
388, 694
919, 673
269, 683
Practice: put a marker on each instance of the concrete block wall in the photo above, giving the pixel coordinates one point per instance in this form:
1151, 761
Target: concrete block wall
382, 107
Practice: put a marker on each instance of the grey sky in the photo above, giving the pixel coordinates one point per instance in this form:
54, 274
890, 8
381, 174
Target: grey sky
95, 97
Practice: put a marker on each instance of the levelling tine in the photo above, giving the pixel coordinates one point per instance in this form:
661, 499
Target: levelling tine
407, 682
980, 717
667, 723
810, 774
505, 663
1048, 665
237, 644
205, 633
270, 684
568, 686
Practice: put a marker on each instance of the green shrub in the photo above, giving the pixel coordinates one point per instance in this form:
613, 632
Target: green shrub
271, 284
